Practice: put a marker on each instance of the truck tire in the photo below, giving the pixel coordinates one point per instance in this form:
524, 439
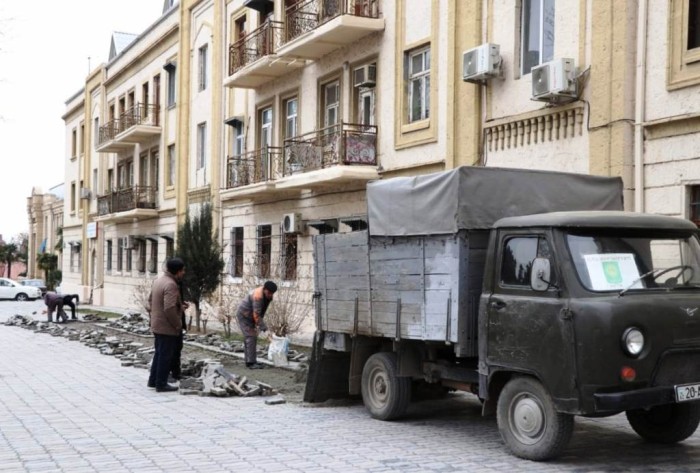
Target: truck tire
385, 395
670, 423
528, 421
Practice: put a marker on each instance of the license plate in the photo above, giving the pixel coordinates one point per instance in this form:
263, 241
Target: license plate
687, 392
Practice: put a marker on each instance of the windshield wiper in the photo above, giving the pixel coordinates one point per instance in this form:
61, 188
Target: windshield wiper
648, 273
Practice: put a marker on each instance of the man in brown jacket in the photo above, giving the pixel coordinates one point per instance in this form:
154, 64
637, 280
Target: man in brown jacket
166, 310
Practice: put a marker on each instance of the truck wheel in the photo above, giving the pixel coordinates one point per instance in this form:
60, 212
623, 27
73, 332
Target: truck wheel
529, 422
669, 423
386, 396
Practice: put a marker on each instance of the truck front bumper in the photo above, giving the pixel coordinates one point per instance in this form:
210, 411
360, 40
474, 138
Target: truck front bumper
637, 399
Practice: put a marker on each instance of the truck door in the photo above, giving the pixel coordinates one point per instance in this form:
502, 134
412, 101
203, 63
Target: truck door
529, 331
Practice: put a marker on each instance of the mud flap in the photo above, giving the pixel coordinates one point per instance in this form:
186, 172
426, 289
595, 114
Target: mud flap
328, 373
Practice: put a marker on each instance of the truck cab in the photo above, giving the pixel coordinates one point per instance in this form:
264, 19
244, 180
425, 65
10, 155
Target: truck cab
592, 314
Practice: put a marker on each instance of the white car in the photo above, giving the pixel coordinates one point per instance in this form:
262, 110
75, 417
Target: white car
10, 289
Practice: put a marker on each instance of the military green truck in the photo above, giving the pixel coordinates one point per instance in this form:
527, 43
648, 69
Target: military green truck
532, 290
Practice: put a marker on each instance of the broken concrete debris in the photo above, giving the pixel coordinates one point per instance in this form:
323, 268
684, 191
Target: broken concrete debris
205, 377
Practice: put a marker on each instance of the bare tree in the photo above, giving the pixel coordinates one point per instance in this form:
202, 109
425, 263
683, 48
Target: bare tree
140, 293
290, 306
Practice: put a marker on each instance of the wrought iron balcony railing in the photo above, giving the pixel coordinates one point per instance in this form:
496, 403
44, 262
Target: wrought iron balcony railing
252, 167
343, 143
258, 44
139, 114
130, 198
108, 131
308, 15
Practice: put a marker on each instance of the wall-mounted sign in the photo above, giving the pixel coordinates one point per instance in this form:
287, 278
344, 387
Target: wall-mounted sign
92, 230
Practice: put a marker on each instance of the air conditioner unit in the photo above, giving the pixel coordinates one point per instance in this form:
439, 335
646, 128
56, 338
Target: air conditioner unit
481, 63
365, 76
129, 242
85, 193
291, 223
555, 81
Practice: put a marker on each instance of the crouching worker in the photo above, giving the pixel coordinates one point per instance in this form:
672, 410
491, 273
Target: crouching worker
53, 302
68, 300
251, 311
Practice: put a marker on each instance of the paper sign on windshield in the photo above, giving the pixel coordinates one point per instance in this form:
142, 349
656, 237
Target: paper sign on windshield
613, 271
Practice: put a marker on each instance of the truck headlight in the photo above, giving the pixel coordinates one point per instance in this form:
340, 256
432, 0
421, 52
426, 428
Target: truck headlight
633, 341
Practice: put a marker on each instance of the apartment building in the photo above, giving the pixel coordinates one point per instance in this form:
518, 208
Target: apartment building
279, 113
45, 212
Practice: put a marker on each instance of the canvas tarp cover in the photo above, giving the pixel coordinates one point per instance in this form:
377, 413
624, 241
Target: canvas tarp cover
475, 197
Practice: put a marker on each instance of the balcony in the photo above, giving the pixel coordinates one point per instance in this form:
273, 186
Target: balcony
253, 60
337, 154
315, 28
252, 174
137, 125
128, 204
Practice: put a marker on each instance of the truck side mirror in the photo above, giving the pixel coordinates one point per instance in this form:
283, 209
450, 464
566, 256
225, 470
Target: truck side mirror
540, 275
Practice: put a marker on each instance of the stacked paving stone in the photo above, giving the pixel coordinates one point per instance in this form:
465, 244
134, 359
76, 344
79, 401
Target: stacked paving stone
202, 377
132, 322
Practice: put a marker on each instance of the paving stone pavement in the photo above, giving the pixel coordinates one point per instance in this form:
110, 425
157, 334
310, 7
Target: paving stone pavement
66, 408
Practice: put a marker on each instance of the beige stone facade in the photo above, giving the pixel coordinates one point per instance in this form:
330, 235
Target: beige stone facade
45, 211
282, 111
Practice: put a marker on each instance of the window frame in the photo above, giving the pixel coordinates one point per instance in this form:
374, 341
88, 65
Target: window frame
683, 64
172, 86
542, 33
422, 76
503, 241
263, 260
237, 248
201, 145
202, 54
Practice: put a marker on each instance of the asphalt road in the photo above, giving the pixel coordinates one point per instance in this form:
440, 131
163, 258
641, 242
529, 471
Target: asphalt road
64, 407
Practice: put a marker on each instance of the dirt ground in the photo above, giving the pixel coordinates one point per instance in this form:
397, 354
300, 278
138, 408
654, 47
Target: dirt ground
288, 383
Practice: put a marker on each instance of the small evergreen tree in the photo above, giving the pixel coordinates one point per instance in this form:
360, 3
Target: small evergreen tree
198, 246
48, 262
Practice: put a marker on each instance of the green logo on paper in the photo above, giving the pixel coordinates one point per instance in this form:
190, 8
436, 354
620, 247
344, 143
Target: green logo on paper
612, 272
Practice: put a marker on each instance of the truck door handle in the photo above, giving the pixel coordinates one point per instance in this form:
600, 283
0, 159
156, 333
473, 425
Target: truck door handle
497, 304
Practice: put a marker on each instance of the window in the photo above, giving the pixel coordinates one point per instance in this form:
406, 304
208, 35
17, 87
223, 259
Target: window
153, 260
169, 248
331, 103
109, 255
518, 255
145, 96
142, 256
74, 144
264, 254
419, 85
110, 180
143, 170
694, 204
203, 67
537, 33
171, 165
238, 139
288, 256
129, 255
265, 128
156, 91
120, 253
155, 164
239, 31
94, 181
96, 131
693, 22
72, 196
290, 124
81, 139
684, 44
171, 85
237, 252
201, 145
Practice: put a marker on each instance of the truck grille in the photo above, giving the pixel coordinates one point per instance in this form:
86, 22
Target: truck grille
677, 368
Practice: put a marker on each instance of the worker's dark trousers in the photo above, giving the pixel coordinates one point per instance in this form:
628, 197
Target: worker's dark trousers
72, 308
250, 333
162, 359
176, 364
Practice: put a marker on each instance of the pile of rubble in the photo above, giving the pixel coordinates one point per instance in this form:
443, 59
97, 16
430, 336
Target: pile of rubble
136, 323
205, 377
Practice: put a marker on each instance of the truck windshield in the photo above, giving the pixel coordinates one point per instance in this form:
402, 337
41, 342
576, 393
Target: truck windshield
626, 262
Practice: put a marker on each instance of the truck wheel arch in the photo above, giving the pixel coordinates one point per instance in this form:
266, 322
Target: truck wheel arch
497, 381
